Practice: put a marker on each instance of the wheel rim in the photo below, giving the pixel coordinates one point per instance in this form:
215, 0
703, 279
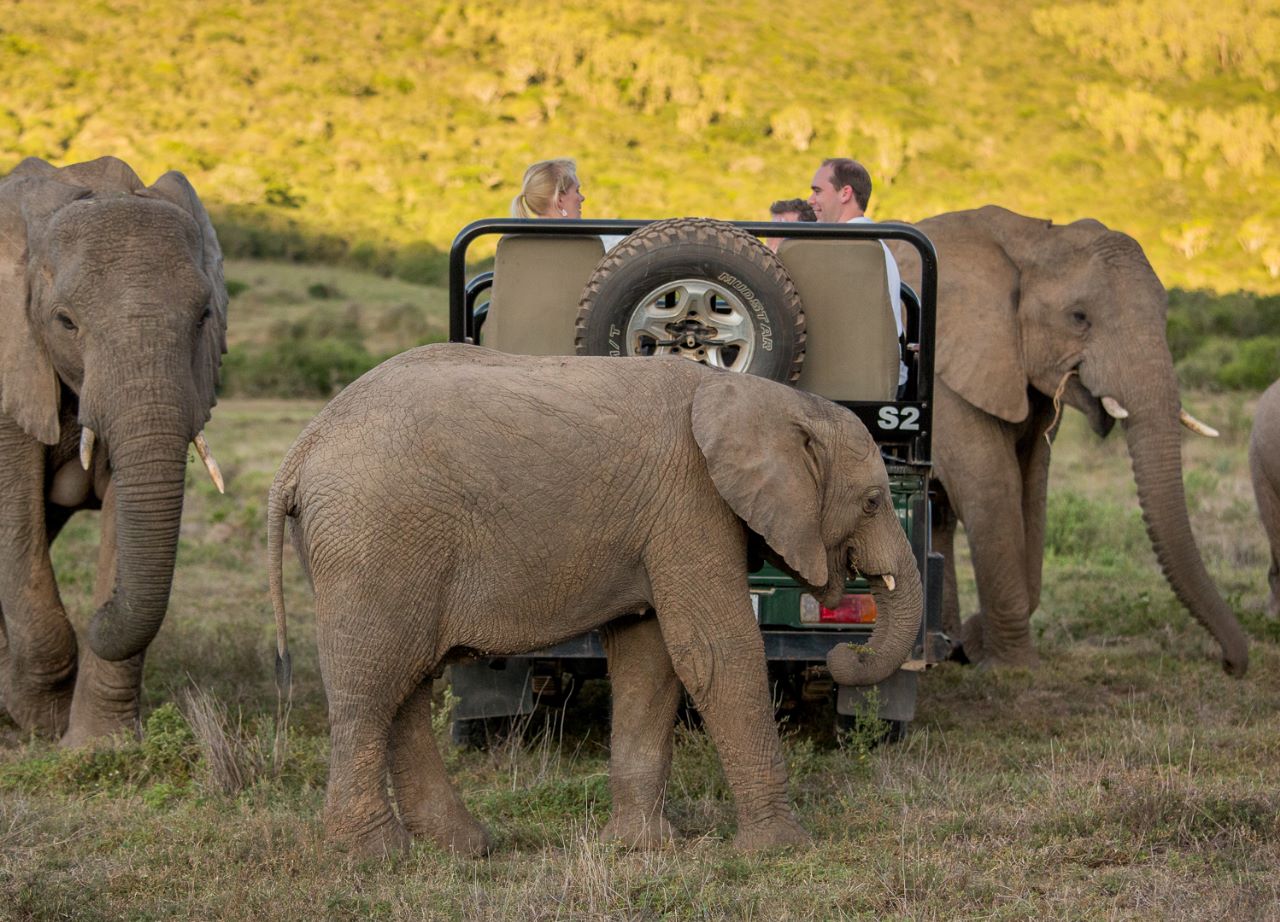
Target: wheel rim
696, 319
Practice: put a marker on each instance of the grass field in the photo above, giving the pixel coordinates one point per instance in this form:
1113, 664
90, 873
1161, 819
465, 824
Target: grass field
1126, 778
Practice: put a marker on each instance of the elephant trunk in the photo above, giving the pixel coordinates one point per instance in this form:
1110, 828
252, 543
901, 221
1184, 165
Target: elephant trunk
898, 613
148, 467
1154, 441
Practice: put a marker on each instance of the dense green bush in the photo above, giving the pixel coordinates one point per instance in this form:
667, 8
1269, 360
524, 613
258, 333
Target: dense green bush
314, 357
296, 367
1224, 342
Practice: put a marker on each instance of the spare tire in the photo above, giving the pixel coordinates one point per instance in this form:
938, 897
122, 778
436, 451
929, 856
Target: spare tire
699, 288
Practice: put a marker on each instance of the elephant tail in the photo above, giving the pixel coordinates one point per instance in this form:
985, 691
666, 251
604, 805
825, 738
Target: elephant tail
279, 505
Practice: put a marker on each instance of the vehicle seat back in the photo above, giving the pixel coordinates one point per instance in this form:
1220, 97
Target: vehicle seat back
537, 283
851, 339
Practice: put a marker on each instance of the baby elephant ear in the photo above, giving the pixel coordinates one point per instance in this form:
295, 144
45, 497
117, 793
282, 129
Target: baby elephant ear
766, 463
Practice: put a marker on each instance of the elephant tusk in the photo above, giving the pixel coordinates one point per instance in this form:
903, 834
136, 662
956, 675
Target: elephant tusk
86, 447
1113, 408
202, 449
889, 581
1195, 425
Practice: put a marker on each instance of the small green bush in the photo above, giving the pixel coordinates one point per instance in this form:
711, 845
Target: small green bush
295, 368
1254, 364
1224, 342
1076, 526
323, 292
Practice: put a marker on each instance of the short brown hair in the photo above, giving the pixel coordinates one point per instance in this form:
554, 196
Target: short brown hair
846, 172
798, 205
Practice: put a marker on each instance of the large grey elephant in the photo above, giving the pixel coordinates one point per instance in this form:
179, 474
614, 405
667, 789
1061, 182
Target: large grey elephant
456, 499
1264, 468
112, 328
1029, 310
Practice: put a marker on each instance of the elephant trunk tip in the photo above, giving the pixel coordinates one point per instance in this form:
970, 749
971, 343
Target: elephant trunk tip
110, 637
858, 665
1235, 663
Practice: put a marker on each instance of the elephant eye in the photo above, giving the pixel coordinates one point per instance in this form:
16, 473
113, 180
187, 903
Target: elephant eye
1080, 319
64, 319
871, 502
204, 318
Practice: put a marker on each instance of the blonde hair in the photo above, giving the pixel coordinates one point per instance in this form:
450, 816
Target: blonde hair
543, 183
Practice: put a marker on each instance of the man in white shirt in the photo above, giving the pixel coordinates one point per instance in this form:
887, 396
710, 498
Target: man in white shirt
841, 189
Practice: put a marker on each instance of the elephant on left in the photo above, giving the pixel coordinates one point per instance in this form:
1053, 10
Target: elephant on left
113, 316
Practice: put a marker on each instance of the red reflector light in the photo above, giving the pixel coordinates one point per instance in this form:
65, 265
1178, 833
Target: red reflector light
853, 609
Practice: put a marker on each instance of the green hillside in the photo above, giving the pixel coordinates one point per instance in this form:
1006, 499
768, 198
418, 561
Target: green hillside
371, 131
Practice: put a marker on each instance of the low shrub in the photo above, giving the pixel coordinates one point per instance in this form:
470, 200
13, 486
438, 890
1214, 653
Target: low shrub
1224, 342
304, 367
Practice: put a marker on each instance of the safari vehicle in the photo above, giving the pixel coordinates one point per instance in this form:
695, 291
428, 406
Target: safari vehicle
817, 314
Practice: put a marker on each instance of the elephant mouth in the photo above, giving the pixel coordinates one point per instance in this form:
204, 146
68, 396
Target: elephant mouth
1083, 399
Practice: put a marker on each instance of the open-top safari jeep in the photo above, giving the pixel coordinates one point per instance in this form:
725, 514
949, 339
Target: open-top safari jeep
817, 315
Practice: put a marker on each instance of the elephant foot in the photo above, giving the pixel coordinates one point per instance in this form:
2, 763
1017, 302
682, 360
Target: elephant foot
378, 839
638, 831
106, 701
40, 705
979, 647
471, 841
971, 638
457, 832
782, 832
103, 734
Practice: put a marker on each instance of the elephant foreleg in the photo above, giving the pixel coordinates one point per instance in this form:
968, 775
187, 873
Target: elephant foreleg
107, 695
429, 804
986, 489
37, 642
944, 542
718, 654
1034, 451
646, 694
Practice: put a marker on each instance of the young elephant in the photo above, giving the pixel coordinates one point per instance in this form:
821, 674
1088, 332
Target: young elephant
456, 499
1264, 466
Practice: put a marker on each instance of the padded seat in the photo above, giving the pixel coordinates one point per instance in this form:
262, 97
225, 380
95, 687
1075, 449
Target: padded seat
851, 339
543, 278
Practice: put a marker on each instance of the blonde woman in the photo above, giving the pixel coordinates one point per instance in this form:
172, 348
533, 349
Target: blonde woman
550, 190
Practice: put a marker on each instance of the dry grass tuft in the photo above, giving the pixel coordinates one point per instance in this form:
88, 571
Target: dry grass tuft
233, 758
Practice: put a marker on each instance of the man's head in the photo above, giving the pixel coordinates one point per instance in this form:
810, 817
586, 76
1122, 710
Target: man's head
788, 209
791, 209
841, 190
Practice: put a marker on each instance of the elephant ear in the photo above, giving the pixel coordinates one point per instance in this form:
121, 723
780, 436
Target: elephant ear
29, 386
762, 455
106, 174
174, 187
980, 344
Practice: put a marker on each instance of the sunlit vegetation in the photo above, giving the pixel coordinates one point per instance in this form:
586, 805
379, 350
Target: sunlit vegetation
370, 132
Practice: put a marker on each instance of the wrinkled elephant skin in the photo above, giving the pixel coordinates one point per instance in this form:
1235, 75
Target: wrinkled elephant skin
457, 499
1028, 310
1264, 468
112, 328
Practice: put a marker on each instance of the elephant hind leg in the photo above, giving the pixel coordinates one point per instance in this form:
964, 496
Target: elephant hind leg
646, 694
429, 804
362, 705
357, 811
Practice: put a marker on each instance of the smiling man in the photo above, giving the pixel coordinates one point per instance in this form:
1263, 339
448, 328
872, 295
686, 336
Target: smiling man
840, 191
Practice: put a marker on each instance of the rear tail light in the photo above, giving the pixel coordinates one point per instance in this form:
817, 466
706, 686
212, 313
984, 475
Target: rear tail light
852, 609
